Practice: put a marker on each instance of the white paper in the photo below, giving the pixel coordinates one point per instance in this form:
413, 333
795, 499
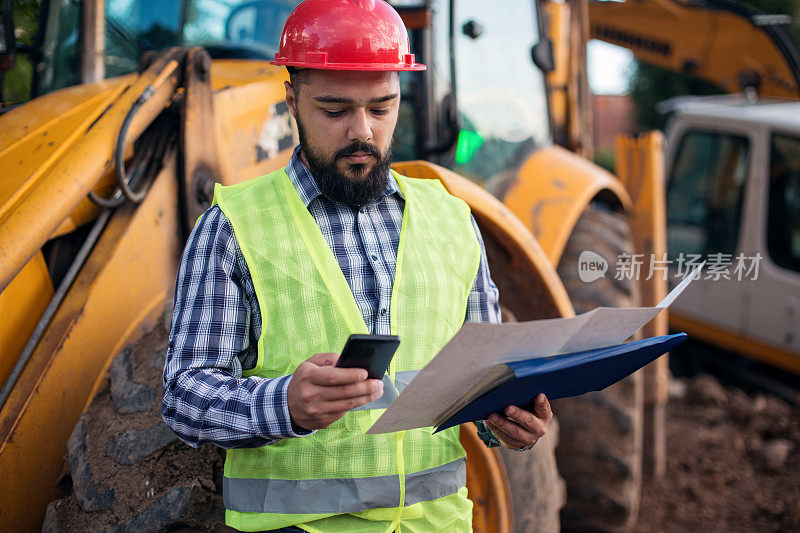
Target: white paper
478, 347
674, 293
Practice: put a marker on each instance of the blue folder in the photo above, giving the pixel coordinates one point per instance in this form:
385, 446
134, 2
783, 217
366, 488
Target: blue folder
561, 376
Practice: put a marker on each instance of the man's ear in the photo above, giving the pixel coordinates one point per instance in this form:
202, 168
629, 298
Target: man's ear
291, 101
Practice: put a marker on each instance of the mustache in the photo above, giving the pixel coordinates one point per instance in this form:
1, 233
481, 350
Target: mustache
358, 146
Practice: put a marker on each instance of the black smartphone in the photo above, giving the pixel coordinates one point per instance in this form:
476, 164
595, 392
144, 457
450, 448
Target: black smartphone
370, 352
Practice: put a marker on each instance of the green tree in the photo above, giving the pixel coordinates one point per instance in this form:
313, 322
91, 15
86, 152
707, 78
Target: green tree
650, 85
16, 83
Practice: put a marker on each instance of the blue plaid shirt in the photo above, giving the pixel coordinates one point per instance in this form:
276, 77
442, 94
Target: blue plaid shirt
216, 322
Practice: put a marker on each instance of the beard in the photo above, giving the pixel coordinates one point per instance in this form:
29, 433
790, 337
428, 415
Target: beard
364, 187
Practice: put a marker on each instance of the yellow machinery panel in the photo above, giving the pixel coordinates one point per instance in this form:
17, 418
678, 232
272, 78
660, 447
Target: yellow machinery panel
30, 218
253, 129
37, 136
487, 484
21, 305
551, 190
118, 294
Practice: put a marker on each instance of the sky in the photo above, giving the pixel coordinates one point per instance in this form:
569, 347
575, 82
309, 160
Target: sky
609, 67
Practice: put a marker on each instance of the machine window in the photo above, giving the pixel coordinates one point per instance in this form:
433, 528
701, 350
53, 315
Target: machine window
704, 195
422, 121
501, 96
783, 226
243, 29
61, 48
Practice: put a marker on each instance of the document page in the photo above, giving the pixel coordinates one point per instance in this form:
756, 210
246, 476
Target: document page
477, 348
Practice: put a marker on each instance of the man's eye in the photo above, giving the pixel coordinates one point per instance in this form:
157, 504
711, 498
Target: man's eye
333, 113
380, 111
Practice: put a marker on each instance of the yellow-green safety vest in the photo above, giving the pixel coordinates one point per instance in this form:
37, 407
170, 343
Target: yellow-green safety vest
339, 478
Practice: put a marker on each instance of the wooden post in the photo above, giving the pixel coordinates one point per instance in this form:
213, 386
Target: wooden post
640, 166
93, 45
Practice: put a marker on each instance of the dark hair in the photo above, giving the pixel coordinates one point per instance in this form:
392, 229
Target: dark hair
297, 77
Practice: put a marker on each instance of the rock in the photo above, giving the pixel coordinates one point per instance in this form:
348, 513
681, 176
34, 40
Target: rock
769, 506
141, 494
706, 390
711, 415
775, 407
131, 446
159, 359
165, 511
677, 389
185, 508
740, 407
773, 419
90, 495
50, 524
759, 403
739, 444
127, 395
775, 453
755, 444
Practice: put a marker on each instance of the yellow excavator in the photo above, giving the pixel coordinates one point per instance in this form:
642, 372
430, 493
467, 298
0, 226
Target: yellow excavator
138, 107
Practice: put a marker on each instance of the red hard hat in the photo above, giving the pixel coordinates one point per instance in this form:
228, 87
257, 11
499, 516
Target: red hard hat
345, 35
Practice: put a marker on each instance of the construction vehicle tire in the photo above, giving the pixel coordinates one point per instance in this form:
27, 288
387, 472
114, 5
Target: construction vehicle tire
537, 490
127, 470
600, 450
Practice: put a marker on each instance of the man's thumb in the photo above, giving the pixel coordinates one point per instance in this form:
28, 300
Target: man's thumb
324, 359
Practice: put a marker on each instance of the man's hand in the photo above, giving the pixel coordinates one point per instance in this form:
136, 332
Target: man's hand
521, 428
319, 393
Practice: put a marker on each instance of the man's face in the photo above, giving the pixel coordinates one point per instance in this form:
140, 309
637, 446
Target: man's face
346, 121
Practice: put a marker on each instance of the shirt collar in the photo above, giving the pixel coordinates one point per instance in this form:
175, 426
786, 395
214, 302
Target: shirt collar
307, 186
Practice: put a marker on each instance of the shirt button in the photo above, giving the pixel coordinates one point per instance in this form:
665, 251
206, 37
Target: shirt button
383, 311
374, 257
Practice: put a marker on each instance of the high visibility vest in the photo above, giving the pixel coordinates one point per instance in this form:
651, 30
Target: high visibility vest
339, 478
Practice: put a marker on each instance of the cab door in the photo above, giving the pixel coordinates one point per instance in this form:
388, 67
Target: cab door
773, 301
710, 165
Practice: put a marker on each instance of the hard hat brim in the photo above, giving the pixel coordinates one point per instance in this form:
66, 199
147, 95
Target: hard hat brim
376, 67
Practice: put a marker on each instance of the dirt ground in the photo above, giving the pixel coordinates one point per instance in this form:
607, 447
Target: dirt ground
733, 462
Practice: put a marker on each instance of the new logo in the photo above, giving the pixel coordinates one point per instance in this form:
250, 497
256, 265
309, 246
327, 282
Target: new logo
591, 266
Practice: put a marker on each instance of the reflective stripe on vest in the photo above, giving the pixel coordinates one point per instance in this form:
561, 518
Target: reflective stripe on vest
341, 495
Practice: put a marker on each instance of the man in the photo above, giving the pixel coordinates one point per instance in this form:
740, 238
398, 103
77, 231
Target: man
283, 268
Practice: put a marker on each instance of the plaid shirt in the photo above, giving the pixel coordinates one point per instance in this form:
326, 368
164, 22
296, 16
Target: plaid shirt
216, 322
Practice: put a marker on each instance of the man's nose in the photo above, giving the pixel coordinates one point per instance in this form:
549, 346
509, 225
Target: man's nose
360, 127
